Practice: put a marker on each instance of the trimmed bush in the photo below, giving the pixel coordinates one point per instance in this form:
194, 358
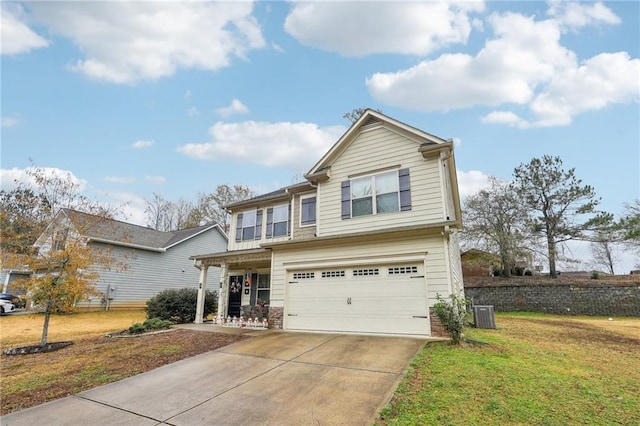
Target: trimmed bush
150, 324
179, 306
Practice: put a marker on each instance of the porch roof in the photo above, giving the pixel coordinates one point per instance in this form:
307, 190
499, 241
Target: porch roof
236, 257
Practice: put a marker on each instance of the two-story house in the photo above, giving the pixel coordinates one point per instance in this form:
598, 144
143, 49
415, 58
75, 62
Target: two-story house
143, 261
364, 245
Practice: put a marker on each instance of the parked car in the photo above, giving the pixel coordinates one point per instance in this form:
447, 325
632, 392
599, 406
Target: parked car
6, 306
8, 296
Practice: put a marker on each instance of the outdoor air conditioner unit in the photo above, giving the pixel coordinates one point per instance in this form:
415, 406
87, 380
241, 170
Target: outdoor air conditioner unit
483, 316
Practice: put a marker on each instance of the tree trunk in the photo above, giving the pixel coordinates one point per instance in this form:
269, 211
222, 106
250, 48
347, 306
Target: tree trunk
506, 265
551, 244
45, 327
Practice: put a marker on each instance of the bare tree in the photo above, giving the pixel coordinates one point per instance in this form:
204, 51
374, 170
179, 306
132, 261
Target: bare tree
495, 219
210, 208
159, 212
355, 114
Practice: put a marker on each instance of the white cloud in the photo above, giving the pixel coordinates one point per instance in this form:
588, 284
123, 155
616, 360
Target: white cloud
187, 95
132, 207
128, 41
523, 64
9, 121
270, 144
505, 117
17, 37
575, 15
141, 144
277, 47
235, 107
156, 180
193, 111
11, 178
506, 70
119, 179
359, 29
471, 182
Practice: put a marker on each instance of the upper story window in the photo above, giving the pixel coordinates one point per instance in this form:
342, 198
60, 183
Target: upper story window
249, 225
379, 193
278, 221
307, 211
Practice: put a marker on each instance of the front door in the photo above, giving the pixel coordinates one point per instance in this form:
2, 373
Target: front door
235, 295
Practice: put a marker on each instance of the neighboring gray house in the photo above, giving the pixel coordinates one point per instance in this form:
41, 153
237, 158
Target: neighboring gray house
155, 260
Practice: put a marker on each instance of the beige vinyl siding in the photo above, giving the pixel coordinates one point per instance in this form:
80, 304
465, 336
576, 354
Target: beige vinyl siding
366, 251
301, 232
373, 150
252, 244
148, 273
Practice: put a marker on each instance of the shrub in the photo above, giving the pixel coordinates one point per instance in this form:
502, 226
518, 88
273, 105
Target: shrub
452, 315
150, 324
595, 275
528, 273
179, 306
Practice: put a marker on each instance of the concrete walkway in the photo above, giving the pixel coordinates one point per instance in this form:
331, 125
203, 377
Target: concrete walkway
274, 378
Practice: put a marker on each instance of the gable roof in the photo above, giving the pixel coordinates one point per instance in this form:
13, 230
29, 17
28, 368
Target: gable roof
279, 194
368, 118
111, 231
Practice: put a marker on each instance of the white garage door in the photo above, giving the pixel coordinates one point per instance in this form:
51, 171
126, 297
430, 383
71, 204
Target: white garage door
389, 299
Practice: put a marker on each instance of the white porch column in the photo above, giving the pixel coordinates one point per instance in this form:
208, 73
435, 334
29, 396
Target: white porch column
222, 308
202, 288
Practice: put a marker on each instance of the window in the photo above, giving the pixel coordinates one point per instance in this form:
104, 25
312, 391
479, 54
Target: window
264, 288
332, 274
307, 211
365, 272
59, 240
375, 194
278, 221
249, 226
398, 270
303, 275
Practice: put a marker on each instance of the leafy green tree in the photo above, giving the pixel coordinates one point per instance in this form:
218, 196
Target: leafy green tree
564, 209
629, 224
496, 220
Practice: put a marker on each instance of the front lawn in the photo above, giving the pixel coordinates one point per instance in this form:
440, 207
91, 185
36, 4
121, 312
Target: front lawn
92, 360
537, 370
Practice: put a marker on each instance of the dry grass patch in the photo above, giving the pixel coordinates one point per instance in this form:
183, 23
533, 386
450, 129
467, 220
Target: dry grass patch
93, 359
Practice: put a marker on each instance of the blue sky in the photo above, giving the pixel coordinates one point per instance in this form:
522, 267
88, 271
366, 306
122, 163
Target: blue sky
133, 98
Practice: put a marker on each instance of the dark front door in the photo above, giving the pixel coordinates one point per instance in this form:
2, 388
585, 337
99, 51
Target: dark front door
235, 295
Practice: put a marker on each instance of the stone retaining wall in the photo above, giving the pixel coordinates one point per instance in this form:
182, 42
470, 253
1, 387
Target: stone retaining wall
611, 297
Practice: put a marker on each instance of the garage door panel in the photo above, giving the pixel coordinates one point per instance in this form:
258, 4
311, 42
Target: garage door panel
362, 300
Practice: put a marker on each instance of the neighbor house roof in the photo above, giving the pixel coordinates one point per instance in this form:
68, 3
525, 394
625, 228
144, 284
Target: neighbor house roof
111, 231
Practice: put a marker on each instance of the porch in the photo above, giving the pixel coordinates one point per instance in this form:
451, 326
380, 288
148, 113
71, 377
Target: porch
244, 291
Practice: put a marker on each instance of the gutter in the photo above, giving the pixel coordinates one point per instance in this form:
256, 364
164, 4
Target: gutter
130, 245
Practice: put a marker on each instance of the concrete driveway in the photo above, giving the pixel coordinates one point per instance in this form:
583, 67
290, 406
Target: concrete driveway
276, 378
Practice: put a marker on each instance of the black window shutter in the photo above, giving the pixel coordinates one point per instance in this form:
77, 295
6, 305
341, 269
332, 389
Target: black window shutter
269, 222
346, 199
258, 234
405, 190
289, 220
239, 228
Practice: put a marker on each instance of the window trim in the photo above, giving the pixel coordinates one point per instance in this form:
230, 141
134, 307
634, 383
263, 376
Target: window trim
240, 225
404, 192
374, 193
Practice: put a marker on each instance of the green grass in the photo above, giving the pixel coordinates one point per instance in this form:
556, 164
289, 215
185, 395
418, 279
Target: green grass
536, 370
